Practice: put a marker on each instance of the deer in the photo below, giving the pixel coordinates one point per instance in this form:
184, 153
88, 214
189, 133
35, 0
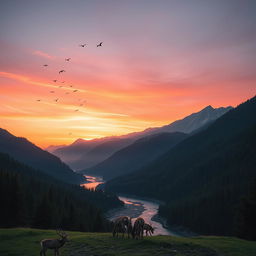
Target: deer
149, 229
138, 228
122, 225
54, 244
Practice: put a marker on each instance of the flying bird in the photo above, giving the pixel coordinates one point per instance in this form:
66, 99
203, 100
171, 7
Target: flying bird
76, 110
67, 93
56, 100
61, 71
63, 82
45, 65
60, 86
82, 45
81, 105
100, 44
71, 86
67, 59
38, 100
55, 81
75, 90
51, 91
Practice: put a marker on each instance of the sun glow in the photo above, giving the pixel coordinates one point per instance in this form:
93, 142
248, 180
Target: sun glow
141, 76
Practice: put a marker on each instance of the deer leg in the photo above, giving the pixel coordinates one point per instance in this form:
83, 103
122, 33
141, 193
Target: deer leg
43, 251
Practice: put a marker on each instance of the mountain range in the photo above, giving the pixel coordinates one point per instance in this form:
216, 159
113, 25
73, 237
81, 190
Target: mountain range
85, 154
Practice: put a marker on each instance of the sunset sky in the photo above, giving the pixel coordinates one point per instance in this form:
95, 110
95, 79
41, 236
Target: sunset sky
160, 61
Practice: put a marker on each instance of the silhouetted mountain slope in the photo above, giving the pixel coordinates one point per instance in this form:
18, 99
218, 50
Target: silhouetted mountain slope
84, 154
136, 155
31, 198
202, 177
24, 151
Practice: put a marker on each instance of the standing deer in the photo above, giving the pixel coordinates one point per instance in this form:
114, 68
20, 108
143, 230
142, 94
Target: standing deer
54, 244
138, 228
149, 229
122, 225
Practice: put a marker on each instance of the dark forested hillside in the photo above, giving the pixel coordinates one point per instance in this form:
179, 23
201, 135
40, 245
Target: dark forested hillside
136, 155
26, 152
203, 177
32, 199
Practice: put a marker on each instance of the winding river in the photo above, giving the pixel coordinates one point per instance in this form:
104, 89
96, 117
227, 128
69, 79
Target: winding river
134, 207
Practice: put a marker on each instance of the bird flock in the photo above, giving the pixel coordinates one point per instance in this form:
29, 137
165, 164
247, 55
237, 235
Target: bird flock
81, 101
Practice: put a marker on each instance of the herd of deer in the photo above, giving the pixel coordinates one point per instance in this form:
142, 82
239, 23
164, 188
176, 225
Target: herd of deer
122, 225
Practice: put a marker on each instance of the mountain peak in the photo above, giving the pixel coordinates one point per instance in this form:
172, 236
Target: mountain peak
78, 141
208, 108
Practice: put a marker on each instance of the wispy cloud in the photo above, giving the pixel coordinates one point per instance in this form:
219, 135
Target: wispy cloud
43, 54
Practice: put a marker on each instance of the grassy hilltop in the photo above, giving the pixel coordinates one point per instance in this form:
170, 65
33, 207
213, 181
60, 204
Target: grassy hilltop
21, 241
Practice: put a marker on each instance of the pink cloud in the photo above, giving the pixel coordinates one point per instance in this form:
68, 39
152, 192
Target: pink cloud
43, 54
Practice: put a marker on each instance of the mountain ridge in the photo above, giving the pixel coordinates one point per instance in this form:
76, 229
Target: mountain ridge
25, 151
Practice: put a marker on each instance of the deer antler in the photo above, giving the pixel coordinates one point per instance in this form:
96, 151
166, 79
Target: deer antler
60, 232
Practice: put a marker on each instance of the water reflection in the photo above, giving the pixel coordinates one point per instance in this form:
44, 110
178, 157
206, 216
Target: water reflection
140, 208
92, 182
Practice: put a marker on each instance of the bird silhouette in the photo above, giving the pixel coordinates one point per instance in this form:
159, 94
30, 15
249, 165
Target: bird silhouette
51, 91
56, 100
61, 71
67, 93
45, 65
82, 45
100, 44
55, 81
76, 110
71, 86
38, 100
60, 86
81, 105
67, 59
75, 90
63, 82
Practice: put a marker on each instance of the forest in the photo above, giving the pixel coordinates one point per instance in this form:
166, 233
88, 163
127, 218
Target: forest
30, 198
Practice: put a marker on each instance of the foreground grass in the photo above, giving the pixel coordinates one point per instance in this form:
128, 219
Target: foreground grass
21, 241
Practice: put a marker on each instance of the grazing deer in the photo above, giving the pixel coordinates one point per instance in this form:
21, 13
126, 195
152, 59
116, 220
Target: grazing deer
138, 228
122, 225
149, 229
54, 244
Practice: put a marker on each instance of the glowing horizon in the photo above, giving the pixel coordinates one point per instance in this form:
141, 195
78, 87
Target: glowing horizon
158, 63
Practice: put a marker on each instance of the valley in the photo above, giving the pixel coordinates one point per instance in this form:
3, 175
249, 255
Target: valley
134, 208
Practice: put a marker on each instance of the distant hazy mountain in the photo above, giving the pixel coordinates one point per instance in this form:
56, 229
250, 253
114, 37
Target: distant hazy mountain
52, 148
84, 154
136, 155
24, 151
202, 178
